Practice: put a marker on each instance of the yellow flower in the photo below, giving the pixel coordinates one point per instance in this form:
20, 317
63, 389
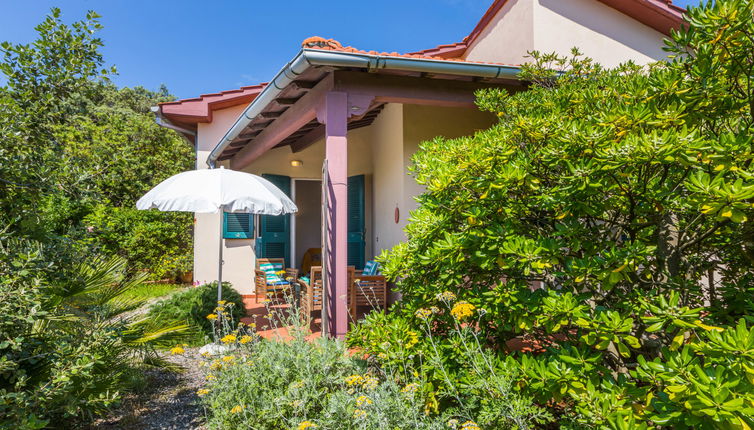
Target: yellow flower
230, 338
462, 310
212, 317
177, 350
228, 358
253, 325
237, 409
354, 380
469, 425
210, 377
202, 392
359, 413
307, 425
410, 388
216, 365
370, 382
221, 302
446, 296
245, 339
363, 401
423, 313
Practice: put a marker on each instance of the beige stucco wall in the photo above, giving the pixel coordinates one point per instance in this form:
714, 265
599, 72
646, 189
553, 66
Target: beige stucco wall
387, 182
599, 31
237, 253
396, 136
508, 37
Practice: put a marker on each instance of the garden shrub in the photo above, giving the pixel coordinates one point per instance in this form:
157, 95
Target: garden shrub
150, 240
317, 383
67, 349
193, 305
599, 235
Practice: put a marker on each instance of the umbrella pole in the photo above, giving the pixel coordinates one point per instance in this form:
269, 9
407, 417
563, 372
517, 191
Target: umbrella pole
220, 259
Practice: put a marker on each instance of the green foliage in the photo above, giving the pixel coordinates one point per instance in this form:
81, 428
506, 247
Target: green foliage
68, 348
76, 147
194, 304
150, 240
317, 383
604, 222
149, 291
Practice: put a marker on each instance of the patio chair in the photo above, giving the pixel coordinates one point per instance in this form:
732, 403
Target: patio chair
369, 288
311, 290
267, 278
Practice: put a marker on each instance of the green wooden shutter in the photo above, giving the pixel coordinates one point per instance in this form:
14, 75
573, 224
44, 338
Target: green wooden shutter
275, 230
238, 225
356, 221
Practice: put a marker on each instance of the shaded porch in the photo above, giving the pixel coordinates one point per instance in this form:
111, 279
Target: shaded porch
329, 104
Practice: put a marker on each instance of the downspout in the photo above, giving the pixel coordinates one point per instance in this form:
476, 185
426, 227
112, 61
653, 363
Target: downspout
164, 122
314, 57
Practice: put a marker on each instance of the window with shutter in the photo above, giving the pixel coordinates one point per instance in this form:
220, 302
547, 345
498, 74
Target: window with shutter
238, 226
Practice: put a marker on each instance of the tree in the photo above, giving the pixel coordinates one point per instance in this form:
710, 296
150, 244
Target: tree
76, 147
605, 219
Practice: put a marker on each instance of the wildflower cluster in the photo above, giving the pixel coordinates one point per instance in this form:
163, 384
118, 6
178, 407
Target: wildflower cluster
446, 296
423, 313
410, 388
462, 310
362, 401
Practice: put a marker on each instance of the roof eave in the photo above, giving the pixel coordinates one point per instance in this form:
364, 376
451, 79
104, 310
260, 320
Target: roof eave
307, 58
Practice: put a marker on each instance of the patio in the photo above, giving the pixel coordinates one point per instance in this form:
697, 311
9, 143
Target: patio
257, 312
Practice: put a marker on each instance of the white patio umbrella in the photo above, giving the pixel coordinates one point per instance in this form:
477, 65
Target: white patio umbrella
213, 190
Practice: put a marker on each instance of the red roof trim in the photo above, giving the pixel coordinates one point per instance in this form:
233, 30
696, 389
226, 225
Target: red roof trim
452, 50
662, 15
484, 21
199, 109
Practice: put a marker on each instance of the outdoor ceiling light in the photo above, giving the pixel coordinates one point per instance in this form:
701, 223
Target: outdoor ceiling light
297, 163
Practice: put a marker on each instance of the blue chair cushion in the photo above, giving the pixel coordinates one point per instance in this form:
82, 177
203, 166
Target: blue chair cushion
270, 270
372, 268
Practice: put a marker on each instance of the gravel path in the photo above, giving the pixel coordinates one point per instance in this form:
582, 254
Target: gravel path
168, 402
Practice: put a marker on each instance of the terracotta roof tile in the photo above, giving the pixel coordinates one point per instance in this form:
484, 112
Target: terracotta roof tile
323, 44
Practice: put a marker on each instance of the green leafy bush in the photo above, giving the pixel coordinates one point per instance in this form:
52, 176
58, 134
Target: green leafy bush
603, 223
193, 305
84, 151
67, 347
150, 240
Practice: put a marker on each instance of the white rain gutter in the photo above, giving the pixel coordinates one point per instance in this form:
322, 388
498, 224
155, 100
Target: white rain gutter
164, 122
316, 57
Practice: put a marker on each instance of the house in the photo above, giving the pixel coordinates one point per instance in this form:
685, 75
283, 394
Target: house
353, 118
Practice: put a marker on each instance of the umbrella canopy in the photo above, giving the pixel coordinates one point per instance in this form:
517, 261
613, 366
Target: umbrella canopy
213, 190
209, 190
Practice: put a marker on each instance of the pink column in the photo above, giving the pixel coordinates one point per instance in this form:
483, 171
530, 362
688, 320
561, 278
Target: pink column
336, 153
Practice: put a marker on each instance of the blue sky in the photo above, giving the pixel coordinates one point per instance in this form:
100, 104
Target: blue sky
196, 47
